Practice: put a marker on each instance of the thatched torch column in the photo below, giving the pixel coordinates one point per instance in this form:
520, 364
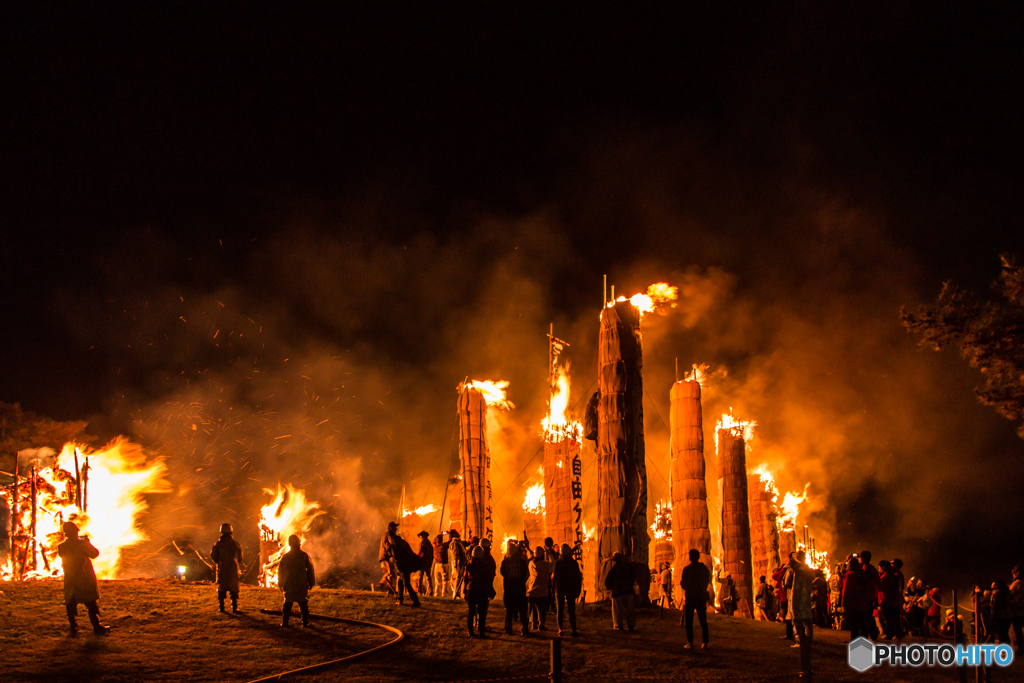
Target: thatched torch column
764, 540
455, 504
559, 519
476, 464
689, 487
735, 525
621, 465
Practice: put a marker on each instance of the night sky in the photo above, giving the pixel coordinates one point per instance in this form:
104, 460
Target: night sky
418, 190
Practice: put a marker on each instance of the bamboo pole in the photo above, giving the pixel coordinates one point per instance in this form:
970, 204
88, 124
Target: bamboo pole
35, 565
78, 483
85, 487
15, 521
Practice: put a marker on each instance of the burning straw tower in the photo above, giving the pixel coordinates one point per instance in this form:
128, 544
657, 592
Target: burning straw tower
474, 456
764, 533
689, 486
563, 468
732, 436
621, 463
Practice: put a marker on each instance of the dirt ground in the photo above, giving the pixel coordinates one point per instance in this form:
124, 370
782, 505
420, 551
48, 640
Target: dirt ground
168, 631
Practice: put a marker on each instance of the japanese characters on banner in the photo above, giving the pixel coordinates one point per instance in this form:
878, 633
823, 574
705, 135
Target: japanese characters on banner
577, 503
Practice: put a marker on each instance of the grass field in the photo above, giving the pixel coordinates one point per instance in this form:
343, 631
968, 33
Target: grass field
170, 631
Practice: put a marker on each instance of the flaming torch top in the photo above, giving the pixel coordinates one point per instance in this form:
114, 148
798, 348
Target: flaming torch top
657, 294
493, 392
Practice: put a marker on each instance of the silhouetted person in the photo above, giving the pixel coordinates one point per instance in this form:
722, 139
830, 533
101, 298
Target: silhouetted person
479, 587
426, 575
1017, 602
514, 573
621, 581
871, 580
295, 576
568, 581
764, 598
407, 562
1002, 610
227, 553
890, 599
695, 581
856, 603
76, 555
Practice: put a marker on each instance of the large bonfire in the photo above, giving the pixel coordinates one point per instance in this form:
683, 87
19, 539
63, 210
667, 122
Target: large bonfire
290, 512
101, 491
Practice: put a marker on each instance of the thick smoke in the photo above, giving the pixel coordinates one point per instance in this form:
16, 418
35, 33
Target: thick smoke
328, 358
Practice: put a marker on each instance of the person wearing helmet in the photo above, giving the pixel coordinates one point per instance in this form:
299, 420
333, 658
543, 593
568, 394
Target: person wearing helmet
80, 585
227, 554
386, 557
295, 576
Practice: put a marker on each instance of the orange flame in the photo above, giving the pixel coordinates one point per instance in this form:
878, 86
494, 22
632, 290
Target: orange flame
290, 512
534, 502
742, 429
556, 425
662, 526
493, 391
119, 476
657, 294
789, 509
422, 510
698, 374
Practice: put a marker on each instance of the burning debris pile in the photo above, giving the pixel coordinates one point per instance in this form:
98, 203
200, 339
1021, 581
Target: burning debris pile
290, 512
101, 491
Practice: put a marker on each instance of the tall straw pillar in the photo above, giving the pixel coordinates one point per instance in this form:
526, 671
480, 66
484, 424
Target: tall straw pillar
735, 509
689, 487
621, 465
559, 518
475, 460
763, 536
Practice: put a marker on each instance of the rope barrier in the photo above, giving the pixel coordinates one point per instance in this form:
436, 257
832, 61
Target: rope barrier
334, 662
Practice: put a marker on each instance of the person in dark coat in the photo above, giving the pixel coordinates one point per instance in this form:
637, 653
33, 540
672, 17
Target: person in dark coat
514, 573
425, 580
856, 601
621, 581
695, 581
76, 555
295, 576
871, 577
407, 562
227, 553
819, 589
568, 584
479, 588
890, 599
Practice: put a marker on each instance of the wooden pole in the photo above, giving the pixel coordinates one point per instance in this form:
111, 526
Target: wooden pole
85, 487
78, 483
15, 521
34, 562
555, 676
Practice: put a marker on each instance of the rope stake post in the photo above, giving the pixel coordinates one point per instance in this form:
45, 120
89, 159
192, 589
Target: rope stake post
556, 661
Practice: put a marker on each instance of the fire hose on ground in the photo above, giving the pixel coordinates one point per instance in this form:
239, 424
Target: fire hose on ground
334, 662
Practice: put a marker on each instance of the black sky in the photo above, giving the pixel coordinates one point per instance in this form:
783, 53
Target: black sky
179, 142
